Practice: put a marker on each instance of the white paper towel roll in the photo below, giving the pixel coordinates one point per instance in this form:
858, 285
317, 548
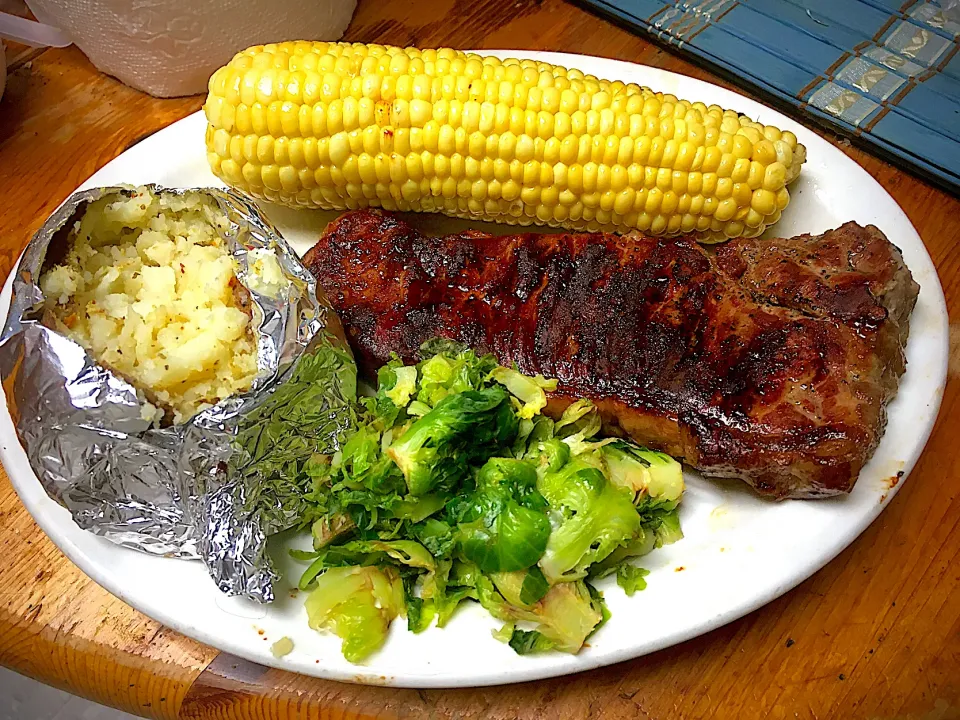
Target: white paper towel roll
171, 47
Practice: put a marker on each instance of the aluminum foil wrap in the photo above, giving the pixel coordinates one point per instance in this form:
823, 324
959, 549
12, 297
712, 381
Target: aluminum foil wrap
180, 490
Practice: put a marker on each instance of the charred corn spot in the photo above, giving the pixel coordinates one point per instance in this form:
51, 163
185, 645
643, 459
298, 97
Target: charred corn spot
339, 125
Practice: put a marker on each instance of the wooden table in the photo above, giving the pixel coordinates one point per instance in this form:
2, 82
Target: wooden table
875, 634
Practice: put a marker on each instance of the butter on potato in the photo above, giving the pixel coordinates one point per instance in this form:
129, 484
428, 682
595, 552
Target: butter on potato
149, 289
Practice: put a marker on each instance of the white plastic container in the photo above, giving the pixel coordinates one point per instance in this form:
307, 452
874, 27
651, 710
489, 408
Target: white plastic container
27, 32
171, 47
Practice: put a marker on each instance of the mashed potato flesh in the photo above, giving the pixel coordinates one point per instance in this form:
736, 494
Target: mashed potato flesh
148, 287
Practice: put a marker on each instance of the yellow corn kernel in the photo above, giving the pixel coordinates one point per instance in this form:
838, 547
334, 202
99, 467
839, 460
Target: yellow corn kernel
763, 152
709, 184
743, 195
741, 170
764, 202
669, 204
734, 229
783, 197
724, 188
774, 177
753, 219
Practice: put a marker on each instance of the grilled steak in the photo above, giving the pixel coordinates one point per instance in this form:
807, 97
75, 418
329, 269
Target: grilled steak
765, 360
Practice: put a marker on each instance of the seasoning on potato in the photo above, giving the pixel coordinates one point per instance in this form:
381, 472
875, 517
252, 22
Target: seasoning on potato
148, 287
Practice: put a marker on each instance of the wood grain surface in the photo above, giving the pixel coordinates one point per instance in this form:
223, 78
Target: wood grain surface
875, 634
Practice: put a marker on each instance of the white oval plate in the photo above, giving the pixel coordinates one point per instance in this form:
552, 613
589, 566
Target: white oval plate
739, 552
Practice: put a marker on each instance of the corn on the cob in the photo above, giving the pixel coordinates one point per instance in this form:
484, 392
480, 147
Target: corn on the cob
338, 126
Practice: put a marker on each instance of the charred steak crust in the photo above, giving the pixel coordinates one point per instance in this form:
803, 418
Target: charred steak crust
769, 361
